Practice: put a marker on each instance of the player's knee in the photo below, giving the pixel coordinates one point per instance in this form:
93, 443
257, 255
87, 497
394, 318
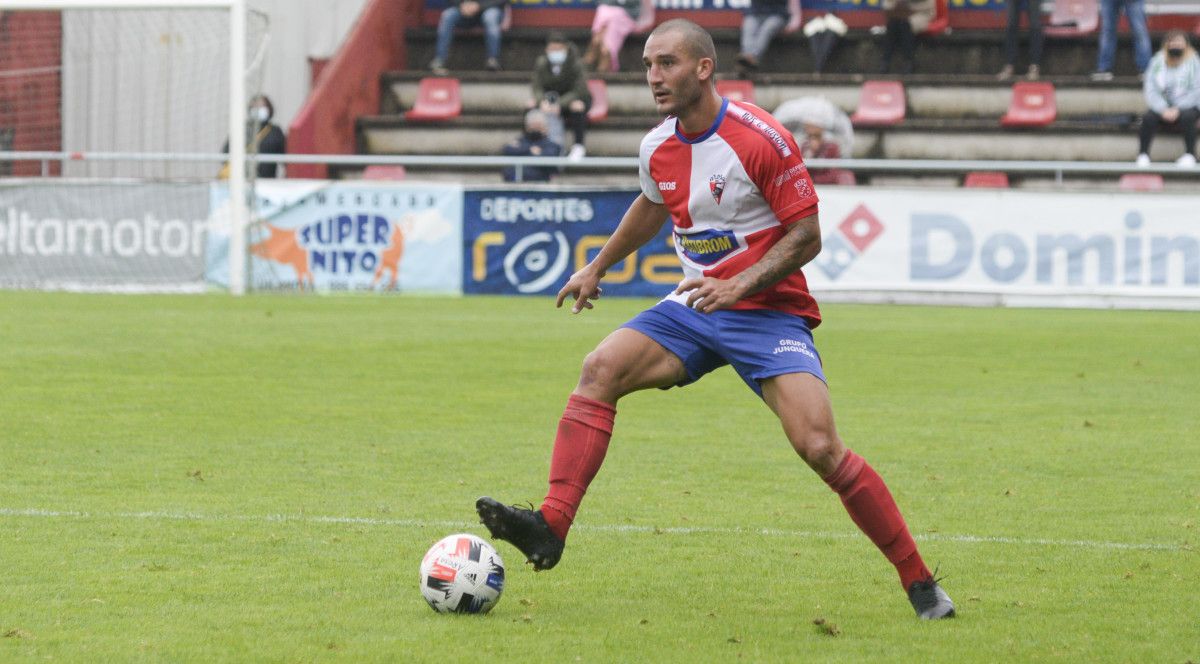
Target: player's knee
820, 449
602, 371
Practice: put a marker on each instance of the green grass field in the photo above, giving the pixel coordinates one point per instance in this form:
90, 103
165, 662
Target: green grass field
210, 479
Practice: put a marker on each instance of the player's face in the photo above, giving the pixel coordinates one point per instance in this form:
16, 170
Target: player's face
673, 73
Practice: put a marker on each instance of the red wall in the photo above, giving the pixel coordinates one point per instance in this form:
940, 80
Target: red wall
348, 87
31, 103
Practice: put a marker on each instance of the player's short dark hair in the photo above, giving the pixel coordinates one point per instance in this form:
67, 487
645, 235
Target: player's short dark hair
695, 38
557, 37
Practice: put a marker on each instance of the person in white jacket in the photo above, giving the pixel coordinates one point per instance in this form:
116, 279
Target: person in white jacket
1172, 89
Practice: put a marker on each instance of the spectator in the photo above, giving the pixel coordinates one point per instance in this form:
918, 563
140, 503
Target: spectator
1033, 9
614, 20
815, 146
532, 143
489, 13
823, 33
560, 88
905, 20
1135, 13
761, 21
1172, 90
265, 137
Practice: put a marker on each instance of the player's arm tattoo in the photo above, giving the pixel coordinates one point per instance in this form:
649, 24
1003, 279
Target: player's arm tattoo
800, 245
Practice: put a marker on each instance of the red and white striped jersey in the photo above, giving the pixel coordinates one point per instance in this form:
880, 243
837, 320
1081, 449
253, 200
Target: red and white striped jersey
732, 192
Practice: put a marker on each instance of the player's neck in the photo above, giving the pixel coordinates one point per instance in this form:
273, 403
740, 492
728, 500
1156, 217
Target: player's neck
700, 117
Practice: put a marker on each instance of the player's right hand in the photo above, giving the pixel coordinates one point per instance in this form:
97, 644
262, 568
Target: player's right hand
583, 286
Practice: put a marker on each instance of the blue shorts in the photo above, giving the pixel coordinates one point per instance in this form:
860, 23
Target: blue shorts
757, 343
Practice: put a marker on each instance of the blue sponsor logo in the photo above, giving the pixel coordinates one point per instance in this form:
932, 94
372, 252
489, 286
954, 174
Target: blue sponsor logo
707, 247
496, 582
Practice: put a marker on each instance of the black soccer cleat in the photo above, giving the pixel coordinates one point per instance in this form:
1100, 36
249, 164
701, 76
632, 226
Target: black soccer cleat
929, 600
523, 528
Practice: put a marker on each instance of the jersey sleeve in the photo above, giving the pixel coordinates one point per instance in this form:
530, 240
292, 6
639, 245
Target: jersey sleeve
785, 182
649, 186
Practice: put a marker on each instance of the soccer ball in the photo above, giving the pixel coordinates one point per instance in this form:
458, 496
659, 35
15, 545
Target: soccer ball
462, 574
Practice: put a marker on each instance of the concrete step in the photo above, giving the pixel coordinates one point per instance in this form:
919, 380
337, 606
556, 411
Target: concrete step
1090, 124
1074, 97
1065, 141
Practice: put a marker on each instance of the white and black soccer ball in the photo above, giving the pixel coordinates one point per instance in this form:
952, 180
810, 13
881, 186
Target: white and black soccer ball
462, 574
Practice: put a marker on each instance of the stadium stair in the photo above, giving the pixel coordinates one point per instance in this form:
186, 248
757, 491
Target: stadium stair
954, 105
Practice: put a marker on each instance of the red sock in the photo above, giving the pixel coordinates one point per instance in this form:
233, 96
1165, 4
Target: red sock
579, 449
872, 508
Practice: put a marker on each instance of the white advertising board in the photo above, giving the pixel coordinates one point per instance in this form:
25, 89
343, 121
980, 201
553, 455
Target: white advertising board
1007, 247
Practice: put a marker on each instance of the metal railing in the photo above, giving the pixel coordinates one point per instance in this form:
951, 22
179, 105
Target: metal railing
1058, 169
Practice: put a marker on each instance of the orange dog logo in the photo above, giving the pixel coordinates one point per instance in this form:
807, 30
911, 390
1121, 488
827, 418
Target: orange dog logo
389, 260
281, 247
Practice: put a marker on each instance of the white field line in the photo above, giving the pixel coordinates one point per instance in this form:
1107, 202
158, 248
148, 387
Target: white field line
608, 528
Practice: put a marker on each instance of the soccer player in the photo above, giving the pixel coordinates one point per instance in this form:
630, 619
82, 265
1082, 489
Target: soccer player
745, 217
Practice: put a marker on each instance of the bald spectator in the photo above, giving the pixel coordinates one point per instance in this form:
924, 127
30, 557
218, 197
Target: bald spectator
533, 142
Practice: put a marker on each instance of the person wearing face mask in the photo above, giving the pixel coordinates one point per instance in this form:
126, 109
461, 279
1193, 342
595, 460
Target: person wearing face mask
264, 137
560, 88
815, 146
1172, 89
533, 142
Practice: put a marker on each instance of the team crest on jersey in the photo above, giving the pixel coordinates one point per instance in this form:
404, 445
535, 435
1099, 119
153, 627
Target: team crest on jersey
803, 188
716, 184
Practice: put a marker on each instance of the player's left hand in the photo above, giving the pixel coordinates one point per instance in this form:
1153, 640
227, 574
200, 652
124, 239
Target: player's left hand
709, 294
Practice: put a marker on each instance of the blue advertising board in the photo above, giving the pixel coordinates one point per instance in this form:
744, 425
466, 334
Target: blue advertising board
530, 242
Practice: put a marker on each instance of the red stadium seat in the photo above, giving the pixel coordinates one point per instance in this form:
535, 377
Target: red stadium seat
1141, 182
940, 24
378, 172
986, 180
437, 99
736, 90
1073, 18
599, 110
1032, 105
880, 104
